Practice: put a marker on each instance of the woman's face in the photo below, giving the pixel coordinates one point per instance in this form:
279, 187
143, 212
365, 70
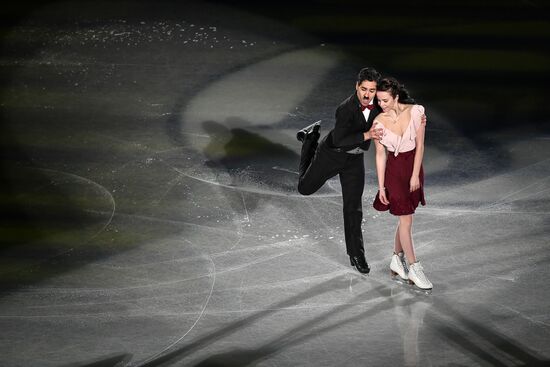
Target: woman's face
385, 100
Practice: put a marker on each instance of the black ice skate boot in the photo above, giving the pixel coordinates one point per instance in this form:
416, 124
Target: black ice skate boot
309, 135
311, 129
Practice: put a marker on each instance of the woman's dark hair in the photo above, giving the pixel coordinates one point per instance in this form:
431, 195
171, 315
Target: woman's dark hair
393, 87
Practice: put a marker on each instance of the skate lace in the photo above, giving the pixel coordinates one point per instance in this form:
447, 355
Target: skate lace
403, 262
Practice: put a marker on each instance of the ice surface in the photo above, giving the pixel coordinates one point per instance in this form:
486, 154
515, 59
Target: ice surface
155, 221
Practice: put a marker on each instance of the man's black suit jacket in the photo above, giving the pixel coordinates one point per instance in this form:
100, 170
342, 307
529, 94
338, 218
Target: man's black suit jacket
351, 124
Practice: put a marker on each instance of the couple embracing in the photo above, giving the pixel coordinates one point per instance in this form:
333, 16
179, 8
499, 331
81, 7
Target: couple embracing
382, 111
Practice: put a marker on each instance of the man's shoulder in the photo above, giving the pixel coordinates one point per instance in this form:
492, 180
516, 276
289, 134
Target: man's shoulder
348, 103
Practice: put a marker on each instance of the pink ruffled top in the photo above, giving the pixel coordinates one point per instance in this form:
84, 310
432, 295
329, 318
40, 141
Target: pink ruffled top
406, 142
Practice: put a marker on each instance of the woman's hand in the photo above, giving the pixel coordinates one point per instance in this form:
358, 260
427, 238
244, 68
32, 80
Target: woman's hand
414, 183
382, 196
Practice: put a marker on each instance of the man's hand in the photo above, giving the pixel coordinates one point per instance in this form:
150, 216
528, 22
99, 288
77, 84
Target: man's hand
373, 134
423, 120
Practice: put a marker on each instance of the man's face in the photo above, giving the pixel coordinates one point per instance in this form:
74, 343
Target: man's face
366, 91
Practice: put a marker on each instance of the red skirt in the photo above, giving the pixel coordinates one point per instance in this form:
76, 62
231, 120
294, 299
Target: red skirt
397, 180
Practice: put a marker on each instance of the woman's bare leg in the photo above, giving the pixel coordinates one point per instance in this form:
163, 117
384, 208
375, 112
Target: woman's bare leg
405, 237
397, 248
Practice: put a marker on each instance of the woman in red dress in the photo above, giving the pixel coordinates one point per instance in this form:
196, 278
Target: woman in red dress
399, 156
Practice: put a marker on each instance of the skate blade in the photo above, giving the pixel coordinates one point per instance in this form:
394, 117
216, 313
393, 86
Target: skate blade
417, 289
395, 277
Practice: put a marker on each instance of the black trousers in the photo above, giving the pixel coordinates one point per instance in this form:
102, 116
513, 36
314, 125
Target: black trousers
318, 163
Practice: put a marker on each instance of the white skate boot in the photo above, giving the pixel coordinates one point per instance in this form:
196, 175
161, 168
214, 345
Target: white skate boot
398, 266
418, 278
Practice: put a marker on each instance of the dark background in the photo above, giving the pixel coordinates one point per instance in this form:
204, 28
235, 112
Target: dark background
458, 54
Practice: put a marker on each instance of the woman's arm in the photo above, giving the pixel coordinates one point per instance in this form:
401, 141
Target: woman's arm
380, 163
418, 156
381, 170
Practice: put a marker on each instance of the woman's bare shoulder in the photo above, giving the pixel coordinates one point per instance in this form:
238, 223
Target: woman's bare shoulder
383, 118
407, 109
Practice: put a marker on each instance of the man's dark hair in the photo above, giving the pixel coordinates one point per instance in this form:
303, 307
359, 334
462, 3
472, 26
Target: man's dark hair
368, 74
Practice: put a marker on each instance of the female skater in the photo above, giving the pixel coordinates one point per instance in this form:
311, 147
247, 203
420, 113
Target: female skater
400, 173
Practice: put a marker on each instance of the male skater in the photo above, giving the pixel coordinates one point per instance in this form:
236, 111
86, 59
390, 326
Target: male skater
341, 152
